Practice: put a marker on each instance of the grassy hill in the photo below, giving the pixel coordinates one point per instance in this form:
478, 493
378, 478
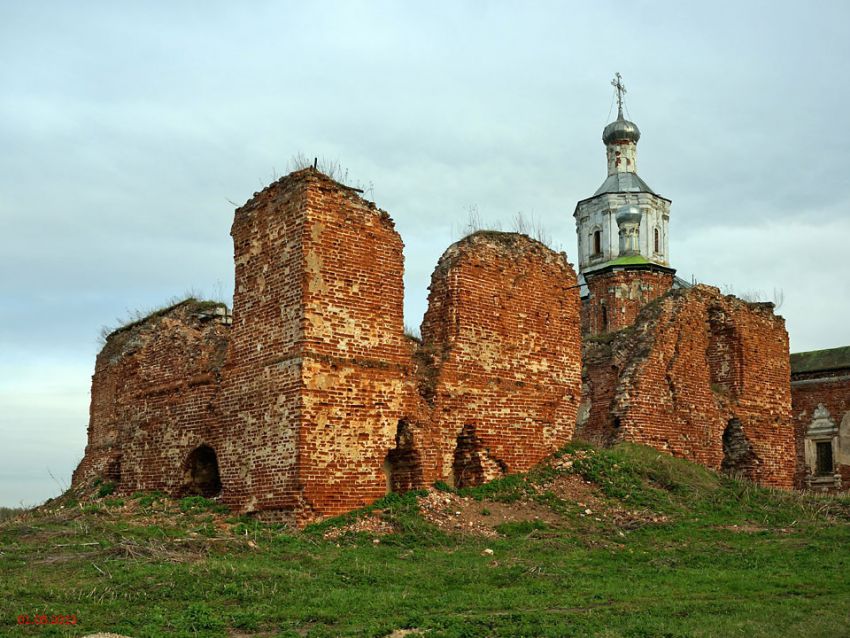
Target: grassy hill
620, 542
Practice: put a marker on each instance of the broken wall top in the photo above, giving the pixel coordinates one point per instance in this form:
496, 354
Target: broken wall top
178, 325
304, 247
694, 362
498, 298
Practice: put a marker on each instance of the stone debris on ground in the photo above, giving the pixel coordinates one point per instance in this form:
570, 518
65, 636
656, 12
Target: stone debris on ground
454, 513
446, 511
369, 524
589, 501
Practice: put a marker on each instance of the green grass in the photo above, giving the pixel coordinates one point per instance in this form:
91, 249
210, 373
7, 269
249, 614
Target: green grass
520, 528
728, 559
105, 489
201, 504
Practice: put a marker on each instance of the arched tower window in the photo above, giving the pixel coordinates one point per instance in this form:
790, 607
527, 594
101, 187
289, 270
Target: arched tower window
604, 318
597, 242
657, 241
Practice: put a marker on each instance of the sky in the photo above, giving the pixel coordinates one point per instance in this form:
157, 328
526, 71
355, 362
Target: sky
130, 131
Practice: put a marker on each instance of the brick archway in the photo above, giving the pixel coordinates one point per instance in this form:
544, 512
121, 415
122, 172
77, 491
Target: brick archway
738, 455
403, 465
201, 475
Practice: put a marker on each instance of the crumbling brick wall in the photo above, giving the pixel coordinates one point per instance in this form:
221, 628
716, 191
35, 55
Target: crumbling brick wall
314, 402
831, 390
153, 398
316, 377
260, 400
699, 375
296, 408
502, 339
356, 360
617, 296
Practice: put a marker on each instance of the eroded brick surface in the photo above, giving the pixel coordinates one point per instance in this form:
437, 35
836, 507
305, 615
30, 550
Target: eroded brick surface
317, 373
617, 296
314, 402
302, 398
154, 395
356, 360
702, 376
502, 332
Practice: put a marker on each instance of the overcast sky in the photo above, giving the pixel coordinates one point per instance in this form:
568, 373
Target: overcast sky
128, 131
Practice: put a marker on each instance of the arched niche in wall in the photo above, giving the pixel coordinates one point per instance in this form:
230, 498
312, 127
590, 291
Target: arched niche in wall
738, 455
200, 474
724, 353
596, 242
403, 464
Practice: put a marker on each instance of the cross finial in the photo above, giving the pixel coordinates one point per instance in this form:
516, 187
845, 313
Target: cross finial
617, 83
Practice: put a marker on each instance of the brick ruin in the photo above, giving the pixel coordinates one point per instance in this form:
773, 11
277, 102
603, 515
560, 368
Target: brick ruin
311, 401
315, 373
699, 375
618, 294
820, 391
666, 363
150, 376
501, 348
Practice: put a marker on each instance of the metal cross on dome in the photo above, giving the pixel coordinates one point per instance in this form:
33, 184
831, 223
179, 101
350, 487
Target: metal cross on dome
617, 83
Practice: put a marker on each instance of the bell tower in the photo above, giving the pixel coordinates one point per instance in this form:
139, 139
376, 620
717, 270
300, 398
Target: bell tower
622, 234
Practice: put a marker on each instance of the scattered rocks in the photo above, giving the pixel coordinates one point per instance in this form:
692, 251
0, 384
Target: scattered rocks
455, 513
371, 524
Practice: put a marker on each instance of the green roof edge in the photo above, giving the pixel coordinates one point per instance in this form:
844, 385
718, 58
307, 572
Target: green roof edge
820, 360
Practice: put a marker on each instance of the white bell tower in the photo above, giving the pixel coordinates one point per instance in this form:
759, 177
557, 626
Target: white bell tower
596, 217
623, 243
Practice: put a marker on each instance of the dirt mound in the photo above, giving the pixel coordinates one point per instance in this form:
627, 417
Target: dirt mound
371, 524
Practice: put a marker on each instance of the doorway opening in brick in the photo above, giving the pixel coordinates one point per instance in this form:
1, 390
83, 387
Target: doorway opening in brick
613, 432
201, 477
738, 456
403, 464
467, 468
113, 469
472, 463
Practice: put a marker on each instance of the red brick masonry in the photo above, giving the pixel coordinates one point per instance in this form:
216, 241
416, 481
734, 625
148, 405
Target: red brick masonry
702, 376
313, 402
618, 295
503, 333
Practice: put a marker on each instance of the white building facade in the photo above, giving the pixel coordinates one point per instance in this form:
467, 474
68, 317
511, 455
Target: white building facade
596, 216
